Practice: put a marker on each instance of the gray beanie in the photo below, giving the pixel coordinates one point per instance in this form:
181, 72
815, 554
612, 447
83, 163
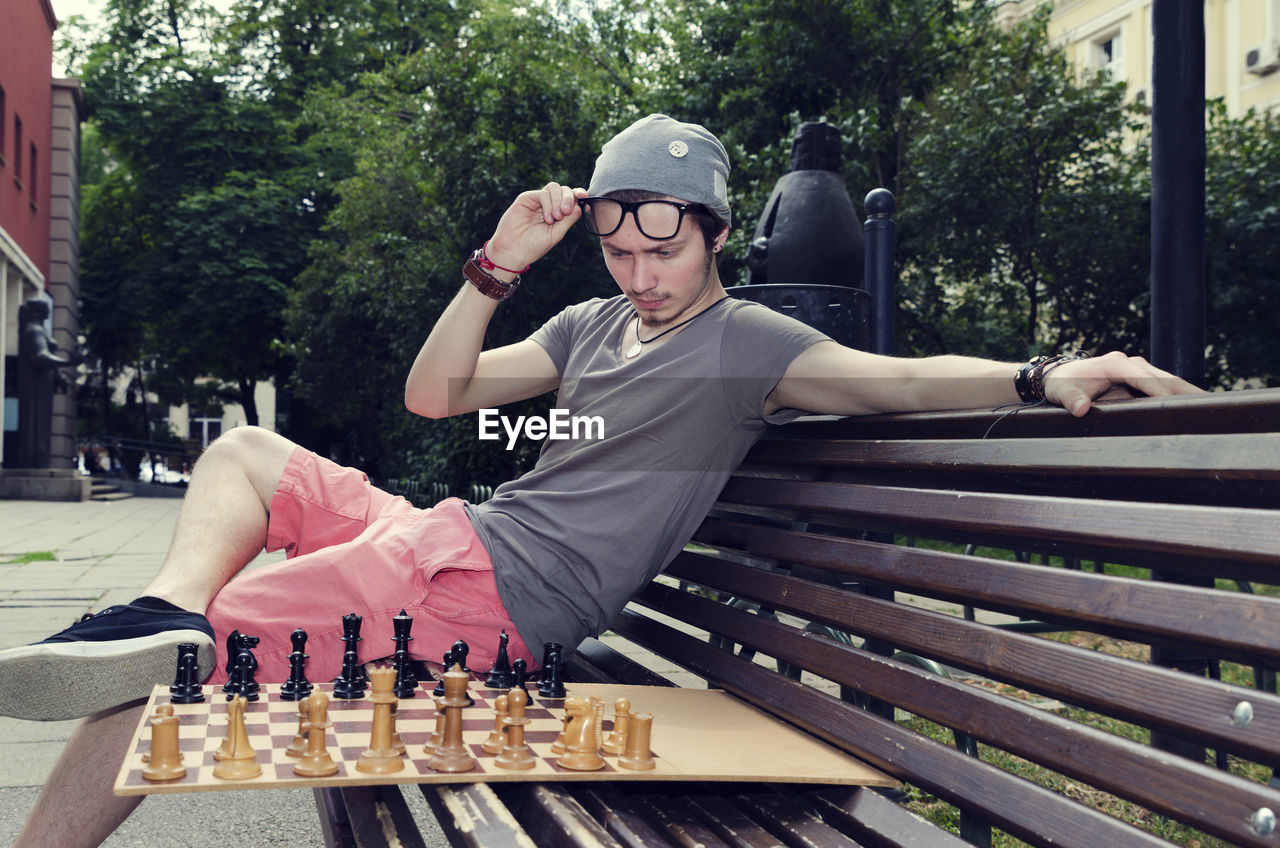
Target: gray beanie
666, 156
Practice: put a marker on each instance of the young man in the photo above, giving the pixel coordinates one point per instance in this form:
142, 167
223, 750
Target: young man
682, 378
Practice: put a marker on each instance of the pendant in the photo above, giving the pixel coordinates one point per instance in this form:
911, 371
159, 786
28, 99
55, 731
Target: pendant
634, 351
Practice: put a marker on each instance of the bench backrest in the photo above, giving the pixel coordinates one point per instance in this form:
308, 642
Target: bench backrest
822, 602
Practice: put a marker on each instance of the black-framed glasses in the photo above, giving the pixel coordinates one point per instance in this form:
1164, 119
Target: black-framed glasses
656, 219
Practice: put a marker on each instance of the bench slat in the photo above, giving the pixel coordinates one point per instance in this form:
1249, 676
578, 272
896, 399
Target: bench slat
1231, 542
884, 823
802, 823
1032, 813
684, 826
1214, 801
616, 814
1230, 624
1247, 411
553, 818
1198, 457
472, 816
726, 818
1143, 694
380, 818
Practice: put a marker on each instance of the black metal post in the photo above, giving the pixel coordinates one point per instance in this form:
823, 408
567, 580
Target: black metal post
1177, 243
1177, 189
878, 275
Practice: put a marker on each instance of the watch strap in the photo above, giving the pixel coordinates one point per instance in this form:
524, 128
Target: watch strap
489, 285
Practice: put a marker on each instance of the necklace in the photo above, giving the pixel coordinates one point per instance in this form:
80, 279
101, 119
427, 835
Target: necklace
635, 349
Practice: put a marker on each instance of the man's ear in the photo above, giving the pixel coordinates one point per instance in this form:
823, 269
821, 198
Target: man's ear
718, 244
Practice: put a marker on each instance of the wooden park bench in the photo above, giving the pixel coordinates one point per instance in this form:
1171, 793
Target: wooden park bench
964, 601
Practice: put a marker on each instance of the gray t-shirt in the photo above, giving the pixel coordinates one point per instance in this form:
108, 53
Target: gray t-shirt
595, 519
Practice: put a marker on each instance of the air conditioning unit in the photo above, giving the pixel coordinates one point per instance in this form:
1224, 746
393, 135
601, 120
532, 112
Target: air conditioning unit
1263, 58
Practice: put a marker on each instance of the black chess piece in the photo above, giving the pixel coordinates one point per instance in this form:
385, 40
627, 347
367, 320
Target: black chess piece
550, 685
406, 682
350, 684
501, 675
547, 648
241, 666
460, 651
233, 650
186, 687
243, 674
521, 669
350, 636
445, 665
297, 687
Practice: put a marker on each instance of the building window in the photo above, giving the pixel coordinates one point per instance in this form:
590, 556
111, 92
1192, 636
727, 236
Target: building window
205, 429
17, 150
1107, 55
34, 170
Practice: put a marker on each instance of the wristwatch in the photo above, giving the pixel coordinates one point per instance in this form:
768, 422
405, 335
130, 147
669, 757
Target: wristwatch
489, 285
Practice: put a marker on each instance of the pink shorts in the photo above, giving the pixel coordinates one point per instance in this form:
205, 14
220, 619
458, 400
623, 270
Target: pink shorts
355, 548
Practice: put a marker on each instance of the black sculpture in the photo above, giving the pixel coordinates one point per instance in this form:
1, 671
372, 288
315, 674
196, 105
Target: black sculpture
38, 379
809, 232
806, 260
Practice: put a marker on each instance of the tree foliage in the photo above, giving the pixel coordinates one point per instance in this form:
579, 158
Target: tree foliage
1020, 208
287, 191
1242, 219
442, 141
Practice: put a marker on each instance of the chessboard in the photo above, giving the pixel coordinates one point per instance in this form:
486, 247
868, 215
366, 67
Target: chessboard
697, 734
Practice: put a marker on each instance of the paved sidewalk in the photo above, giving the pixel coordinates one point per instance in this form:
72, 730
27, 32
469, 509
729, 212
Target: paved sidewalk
104, 553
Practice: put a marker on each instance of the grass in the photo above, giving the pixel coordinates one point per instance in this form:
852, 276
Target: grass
33, 556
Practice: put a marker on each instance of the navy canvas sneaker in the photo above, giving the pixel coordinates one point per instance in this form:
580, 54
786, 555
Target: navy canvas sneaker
102, 661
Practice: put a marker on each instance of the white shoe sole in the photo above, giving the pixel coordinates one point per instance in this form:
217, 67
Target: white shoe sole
55, 681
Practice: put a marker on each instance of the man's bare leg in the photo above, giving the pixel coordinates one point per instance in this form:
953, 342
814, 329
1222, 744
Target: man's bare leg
221, 528
118, 654
76, 806
223, 522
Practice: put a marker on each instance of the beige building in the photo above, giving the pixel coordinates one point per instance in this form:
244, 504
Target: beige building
1242, 45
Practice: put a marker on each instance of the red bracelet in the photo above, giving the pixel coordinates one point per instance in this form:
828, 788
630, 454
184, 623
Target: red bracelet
488, 264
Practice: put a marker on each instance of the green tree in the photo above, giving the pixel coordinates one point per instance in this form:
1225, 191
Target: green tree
753, 70
1242, 217
442, 143
1023, 216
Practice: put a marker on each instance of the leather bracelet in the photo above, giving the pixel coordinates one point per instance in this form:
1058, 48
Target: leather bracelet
1029, 379
489, 285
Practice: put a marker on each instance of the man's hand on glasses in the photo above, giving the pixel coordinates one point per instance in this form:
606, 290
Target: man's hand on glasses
533, 224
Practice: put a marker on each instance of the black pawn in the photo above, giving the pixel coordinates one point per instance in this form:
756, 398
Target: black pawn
550, 685
445, 665
186, 688
501, 675
241, 666
460, 651
243, 676
297, 687
406, 683
547, 648
521, 669
350, 684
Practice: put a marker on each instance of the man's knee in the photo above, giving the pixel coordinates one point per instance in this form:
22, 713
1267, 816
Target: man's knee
261, 454
250, 444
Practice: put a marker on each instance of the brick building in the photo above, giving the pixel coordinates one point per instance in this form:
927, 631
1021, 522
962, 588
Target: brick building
39, 206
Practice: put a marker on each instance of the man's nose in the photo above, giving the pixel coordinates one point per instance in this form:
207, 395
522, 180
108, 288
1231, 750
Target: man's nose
643, 276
